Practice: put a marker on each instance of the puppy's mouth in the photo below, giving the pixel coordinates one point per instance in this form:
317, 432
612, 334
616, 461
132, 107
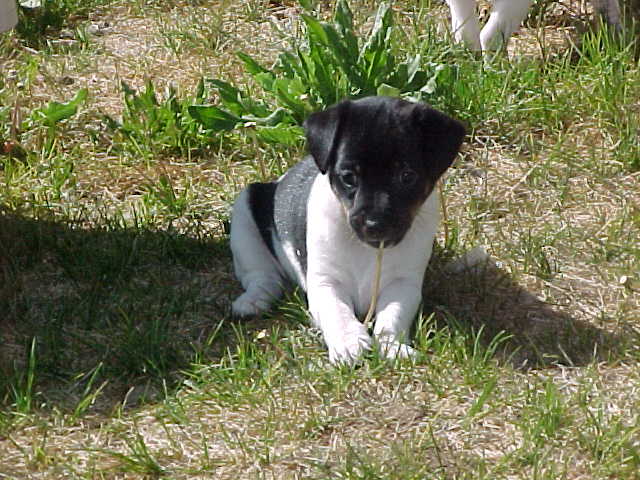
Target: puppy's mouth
376, 243
373, 233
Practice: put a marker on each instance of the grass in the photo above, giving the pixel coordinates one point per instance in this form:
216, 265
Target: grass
118, 354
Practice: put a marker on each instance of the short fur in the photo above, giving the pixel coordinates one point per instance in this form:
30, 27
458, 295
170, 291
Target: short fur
369, 178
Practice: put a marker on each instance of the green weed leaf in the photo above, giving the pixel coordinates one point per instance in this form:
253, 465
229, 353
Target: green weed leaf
344, 21
228, 93
55, 112
316, 30
251, 65
214, 118
431, 84
388, 90
277, 117
282, 134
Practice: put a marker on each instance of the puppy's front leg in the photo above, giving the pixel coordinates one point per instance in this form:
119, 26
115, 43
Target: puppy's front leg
332, 312
397, 306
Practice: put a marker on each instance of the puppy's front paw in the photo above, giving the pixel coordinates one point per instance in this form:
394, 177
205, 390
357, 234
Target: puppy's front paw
347, 346
392, 349
247, 305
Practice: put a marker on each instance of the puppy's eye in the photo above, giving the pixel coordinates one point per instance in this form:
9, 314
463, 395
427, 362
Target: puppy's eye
349, 179
408, 177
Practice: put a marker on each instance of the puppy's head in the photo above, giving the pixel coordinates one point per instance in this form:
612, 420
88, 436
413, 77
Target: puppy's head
383, 156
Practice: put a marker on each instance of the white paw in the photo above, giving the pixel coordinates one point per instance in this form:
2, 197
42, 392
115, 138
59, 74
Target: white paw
392, 349
247, 305
347, 346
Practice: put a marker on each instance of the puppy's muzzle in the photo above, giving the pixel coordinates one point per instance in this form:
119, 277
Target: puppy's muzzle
373, 229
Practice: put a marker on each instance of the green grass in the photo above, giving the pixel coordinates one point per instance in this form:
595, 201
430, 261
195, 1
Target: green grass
37, 20
118, 354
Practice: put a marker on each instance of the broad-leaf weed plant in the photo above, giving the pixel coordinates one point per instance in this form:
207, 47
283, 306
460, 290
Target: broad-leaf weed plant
331, 62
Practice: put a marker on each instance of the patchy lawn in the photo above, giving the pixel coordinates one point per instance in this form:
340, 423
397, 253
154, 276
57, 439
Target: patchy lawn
118, 354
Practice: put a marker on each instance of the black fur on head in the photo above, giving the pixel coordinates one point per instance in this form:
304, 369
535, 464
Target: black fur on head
383, 156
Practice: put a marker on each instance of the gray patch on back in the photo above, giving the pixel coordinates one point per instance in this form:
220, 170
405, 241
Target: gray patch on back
290, 210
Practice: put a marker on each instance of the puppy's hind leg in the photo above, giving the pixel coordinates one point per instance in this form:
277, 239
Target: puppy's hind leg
254, 265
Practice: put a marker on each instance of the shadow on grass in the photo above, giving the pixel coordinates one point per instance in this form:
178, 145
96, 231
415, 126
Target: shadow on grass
127, 308
539, 334
128, 311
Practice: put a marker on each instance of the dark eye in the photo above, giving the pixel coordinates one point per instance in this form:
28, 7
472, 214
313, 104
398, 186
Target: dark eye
349, 179
408, 177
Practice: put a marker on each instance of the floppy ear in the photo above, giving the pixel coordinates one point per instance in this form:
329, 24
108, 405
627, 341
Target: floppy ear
323, 131
442, 137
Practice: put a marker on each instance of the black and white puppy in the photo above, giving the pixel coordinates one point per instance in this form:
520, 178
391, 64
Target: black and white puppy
370, 178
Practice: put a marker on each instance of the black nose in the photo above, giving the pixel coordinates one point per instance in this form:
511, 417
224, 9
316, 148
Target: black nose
374, 228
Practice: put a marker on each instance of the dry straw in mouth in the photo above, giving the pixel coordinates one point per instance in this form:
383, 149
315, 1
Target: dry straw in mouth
376, 287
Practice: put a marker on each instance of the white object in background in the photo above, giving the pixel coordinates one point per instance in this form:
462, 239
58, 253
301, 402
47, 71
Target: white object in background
473, 260
8, 15
505, 18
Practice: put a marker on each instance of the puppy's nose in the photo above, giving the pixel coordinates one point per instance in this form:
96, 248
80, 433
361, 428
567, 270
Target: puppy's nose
374, 228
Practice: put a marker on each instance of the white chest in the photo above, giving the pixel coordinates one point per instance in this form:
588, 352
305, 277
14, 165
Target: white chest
335, 255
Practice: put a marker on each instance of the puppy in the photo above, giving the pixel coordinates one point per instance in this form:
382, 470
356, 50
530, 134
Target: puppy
370, 178
505, 18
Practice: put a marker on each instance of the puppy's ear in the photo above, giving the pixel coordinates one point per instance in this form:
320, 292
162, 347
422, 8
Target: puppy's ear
323, 131
442, 137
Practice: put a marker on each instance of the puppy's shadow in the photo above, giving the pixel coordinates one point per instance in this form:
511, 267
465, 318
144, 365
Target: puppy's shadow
539, 334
